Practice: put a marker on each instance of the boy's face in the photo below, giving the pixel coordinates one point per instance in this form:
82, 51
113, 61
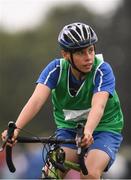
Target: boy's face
84, 59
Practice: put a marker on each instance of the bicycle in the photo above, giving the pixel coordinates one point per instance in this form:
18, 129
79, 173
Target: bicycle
55, 156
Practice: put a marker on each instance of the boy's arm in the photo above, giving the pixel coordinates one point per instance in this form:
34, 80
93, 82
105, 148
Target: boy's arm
99, 101
32, 107
34, 104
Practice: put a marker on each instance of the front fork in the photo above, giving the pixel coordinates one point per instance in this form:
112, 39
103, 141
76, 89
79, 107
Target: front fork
54, 162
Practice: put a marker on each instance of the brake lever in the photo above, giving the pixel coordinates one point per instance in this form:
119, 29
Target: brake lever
80, 150
79, 136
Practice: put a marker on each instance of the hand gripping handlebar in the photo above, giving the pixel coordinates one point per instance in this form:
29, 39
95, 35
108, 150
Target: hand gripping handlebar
8, 147
10, 132
81, 150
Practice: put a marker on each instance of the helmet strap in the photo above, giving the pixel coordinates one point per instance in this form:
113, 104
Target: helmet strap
73, 64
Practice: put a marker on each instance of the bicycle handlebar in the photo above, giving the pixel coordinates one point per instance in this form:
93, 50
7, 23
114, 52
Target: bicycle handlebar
10, 132
45, 140
81, 151
49, 140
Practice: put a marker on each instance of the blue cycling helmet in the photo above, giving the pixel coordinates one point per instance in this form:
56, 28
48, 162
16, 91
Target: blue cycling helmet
76, 36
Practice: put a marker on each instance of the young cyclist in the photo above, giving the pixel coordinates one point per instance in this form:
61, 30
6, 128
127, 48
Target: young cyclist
82, 85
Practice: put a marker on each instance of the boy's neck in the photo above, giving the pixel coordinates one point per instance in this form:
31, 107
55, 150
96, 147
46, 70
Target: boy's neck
79, 76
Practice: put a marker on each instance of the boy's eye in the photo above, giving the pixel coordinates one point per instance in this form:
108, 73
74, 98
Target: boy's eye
90, 50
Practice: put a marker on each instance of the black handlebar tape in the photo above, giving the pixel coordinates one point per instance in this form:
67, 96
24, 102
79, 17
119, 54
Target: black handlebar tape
81, 152
80, 130
9, 159
82, 162
11, 128
80, 134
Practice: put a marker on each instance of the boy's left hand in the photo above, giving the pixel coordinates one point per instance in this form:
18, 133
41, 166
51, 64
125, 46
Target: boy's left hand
87, 140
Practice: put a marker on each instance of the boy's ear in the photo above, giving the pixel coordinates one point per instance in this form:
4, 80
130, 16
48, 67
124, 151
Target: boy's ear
65, 55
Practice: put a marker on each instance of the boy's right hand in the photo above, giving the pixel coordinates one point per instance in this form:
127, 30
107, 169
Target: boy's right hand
13, 139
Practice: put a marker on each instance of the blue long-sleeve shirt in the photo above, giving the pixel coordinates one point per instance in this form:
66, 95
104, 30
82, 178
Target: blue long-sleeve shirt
104, 79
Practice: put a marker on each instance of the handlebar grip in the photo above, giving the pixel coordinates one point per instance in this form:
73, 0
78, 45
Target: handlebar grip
9, 159
11, 128
82, 162
80, 134
80, 130
81, 151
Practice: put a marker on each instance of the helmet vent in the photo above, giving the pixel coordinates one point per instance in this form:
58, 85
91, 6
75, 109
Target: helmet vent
77, 35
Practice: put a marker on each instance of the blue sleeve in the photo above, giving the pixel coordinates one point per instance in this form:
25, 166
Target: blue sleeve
104, 79
50, 74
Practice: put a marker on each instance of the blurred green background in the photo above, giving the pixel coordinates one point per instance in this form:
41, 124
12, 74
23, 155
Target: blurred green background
24, 54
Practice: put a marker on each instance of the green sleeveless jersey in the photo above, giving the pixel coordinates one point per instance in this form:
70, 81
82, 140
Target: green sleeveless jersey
69, 110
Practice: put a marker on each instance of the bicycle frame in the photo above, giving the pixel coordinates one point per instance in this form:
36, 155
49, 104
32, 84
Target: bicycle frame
57, 163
